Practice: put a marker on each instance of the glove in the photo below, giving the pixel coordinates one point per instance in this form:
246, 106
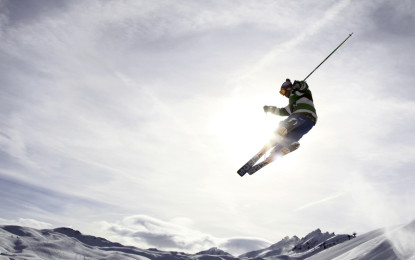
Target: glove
270, 109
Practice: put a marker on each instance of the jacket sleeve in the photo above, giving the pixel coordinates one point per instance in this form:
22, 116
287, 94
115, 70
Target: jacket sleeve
285, 111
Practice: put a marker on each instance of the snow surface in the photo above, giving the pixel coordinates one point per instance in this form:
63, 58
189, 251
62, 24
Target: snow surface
18, 242
385, 244
295, 248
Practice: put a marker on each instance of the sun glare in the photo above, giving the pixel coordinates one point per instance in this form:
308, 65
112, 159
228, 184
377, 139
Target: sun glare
244, 127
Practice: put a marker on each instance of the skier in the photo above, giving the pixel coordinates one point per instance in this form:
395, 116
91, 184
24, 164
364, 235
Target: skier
300, 111
301, 118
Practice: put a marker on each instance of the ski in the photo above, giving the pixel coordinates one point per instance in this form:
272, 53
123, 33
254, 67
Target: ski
273, 156
252, 162
280, 133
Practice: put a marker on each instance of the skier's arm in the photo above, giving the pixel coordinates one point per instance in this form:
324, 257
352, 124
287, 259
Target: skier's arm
277, 111
284, 111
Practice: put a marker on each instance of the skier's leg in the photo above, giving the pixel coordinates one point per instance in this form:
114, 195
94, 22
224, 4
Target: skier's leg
303, 125
285, 141
287, 125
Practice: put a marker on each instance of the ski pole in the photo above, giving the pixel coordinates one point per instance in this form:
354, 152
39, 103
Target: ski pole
328, 57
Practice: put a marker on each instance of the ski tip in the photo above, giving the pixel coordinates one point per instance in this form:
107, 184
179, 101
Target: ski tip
241, 173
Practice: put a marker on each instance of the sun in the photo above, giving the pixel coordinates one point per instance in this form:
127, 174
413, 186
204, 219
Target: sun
243, 127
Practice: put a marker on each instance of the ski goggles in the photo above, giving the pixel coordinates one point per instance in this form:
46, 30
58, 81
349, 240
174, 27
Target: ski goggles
284, 90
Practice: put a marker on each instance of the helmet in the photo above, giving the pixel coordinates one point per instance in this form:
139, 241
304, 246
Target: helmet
287, 85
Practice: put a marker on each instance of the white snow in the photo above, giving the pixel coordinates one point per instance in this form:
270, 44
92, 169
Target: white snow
382, 244
18, 242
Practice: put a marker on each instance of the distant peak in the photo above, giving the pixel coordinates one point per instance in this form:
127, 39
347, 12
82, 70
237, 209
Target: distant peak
67, 231
86, 239
317, 231
214, 251
314, 233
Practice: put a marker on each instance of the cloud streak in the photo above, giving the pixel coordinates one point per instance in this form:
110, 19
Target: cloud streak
300, 37
136, 104
25, 222
18, 198
315, 203
145, 231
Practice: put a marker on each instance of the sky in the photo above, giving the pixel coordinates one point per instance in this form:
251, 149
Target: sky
129, 119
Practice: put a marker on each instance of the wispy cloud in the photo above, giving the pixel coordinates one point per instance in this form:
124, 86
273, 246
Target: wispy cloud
18, 198
288, 46
26, 222
315, 203
110, 101
145, 231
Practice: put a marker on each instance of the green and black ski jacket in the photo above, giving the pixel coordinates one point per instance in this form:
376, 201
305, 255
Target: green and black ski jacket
300, 102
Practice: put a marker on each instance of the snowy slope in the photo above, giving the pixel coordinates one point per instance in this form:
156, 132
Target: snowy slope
28, 243
295, 248
64, 243
385, 244
213, 254
280, 248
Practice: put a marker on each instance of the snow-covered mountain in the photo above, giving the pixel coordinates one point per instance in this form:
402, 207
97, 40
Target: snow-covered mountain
295, 248
18, 242
384, 243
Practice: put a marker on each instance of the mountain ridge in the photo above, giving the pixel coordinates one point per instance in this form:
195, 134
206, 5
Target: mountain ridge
17, 242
